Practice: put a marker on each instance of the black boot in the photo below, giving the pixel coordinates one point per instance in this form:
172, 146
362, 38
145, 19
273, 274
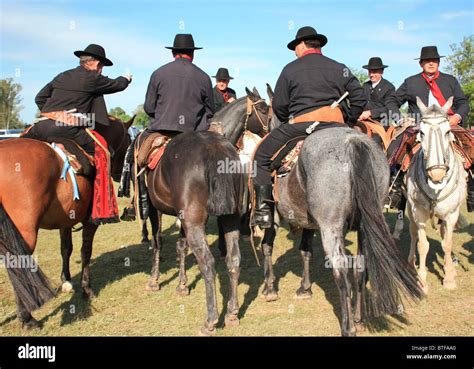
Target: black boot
143, 197
395, 196
470, 193
263, 216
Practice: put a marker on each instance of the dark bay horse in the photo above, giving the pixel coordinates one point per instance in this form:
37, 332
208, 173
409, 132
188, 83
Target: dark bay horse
341, 178
33, 196
193, 182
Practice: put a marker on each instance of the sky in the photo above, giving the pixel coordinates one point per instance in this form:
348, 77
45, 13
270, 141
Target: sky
249, 37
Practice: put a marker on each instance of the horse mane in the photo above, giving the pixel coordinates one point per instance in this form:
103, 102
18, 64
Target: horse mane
227, 107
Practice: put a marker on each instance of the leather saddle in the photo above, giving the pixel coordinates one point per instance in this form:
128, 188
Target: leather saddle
151, 149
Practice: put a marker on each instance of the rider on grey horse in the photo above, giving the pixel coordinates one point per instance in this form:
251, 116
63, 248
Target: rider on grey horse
303, 93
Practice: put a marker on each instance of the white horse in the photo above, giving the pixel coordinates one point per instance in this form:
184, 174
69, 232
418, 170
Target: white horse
435, 186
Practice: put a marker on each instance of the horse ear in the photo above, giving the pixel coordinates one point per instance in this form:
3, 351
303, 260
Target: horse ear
248, 92
269, 91
448, 105
129, 123
256, 92
421, 106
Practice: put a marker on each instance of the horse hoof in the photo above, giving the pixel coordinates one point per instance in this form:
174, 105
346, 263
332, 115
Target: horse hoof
207, 332
31, 324
88, 294
360, 326
269, 297
449, 285
182, 290
145, 240
231, 321
67, 287
302, 294
152, 287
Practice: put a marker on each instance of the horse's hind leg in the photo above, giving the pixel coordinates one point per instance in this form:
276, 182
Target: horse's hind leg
66, 250
360, 277
306, 250
196, 237
182, 250
221, 240
447, 228
230, 228
333, 243
269, 291
88, 233
399, 224
155, 220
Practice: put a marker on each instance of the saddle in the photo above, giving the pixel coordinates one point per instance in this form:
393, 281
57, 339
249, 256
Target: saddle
371, 127
463, 146
151, 150
81, 162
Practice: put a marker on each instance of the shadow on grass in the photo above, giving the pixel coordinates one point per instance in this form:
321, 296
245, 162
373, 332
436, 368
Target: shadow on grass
113, 266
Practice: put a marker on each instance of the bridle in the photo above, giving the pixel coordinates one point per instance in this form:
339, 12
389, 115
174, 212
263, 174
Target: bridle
252, 107
436, 131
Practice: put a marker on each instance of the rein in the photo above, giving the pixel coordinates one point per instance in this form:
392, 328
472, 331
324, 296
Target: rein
251, 106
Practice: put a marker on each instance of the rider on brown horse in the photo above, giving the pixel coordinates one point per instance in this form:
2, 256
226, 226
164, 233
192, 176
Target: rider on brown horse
80, 90
432, 87
303, 94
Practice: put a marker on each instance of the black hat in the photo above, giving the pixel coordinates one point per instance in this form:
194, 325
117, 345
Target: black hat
429, 52
307, 33
375, 63
183, 41
95, 51
222, 73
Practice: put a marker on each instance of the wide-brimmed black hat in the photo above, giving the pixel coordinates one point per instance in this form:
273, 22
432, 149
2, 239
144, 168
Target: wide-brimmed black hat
95, 51
307, 33
375, 63
222, 73
183, 41
429, 52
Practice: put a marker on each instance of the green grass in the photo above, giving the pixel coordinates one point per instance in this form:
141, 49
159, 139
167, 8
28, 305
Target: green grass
124, 308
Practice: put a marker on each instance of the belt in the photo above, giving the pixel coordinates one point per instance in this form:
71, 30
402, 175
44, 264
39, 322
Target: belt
323, 114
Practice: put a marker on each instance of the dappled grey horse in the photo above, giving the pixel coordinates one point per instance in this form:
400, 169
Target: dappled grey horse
436, 186
341, 178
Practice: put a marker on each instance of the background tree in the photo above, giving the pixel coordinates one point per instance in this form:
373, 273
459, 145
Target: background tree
119, 113
360, 74
142, 120
460, 65
10, 107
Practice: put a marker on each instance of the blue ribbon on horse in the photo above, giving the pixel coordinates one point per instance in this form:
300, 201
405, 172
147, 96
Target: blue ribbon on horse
67, 169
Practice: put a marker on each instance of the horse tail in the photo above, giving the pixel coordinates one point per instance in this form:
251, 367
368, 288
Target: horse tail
31, 285
225, 180
390, 275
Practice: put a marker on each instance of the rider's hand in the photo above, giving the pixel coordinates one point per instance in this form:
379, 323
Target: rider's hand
128, 76
365, 115
231, 100
454, 120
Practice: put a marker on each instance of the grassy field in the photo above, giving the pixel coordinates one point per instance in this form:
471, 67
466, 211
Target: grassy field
121, 265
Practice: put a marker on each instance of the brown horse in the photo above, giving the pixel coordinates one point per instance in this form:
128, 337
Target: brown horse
33, 196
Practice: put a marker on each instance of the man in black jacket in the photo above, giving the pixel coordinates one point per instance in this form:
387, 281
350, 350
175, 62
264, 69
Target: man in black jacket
432, 87
303, 93
376, 91
82, 89
179, 96
223, 94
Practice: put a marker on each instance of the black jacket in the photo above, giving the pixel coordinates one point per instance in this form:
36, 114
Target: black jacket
416, 86
179, 98
314, 81
376, 99
219, 97
81, 89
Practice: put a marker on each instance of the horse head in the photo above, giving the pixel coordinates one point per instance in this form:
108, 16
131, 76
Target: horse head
435, 137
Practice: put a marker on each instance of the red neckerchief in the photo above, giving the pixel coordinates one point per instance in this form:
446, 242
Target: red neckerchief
224, 94
434, 88
312, 51
183, 56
